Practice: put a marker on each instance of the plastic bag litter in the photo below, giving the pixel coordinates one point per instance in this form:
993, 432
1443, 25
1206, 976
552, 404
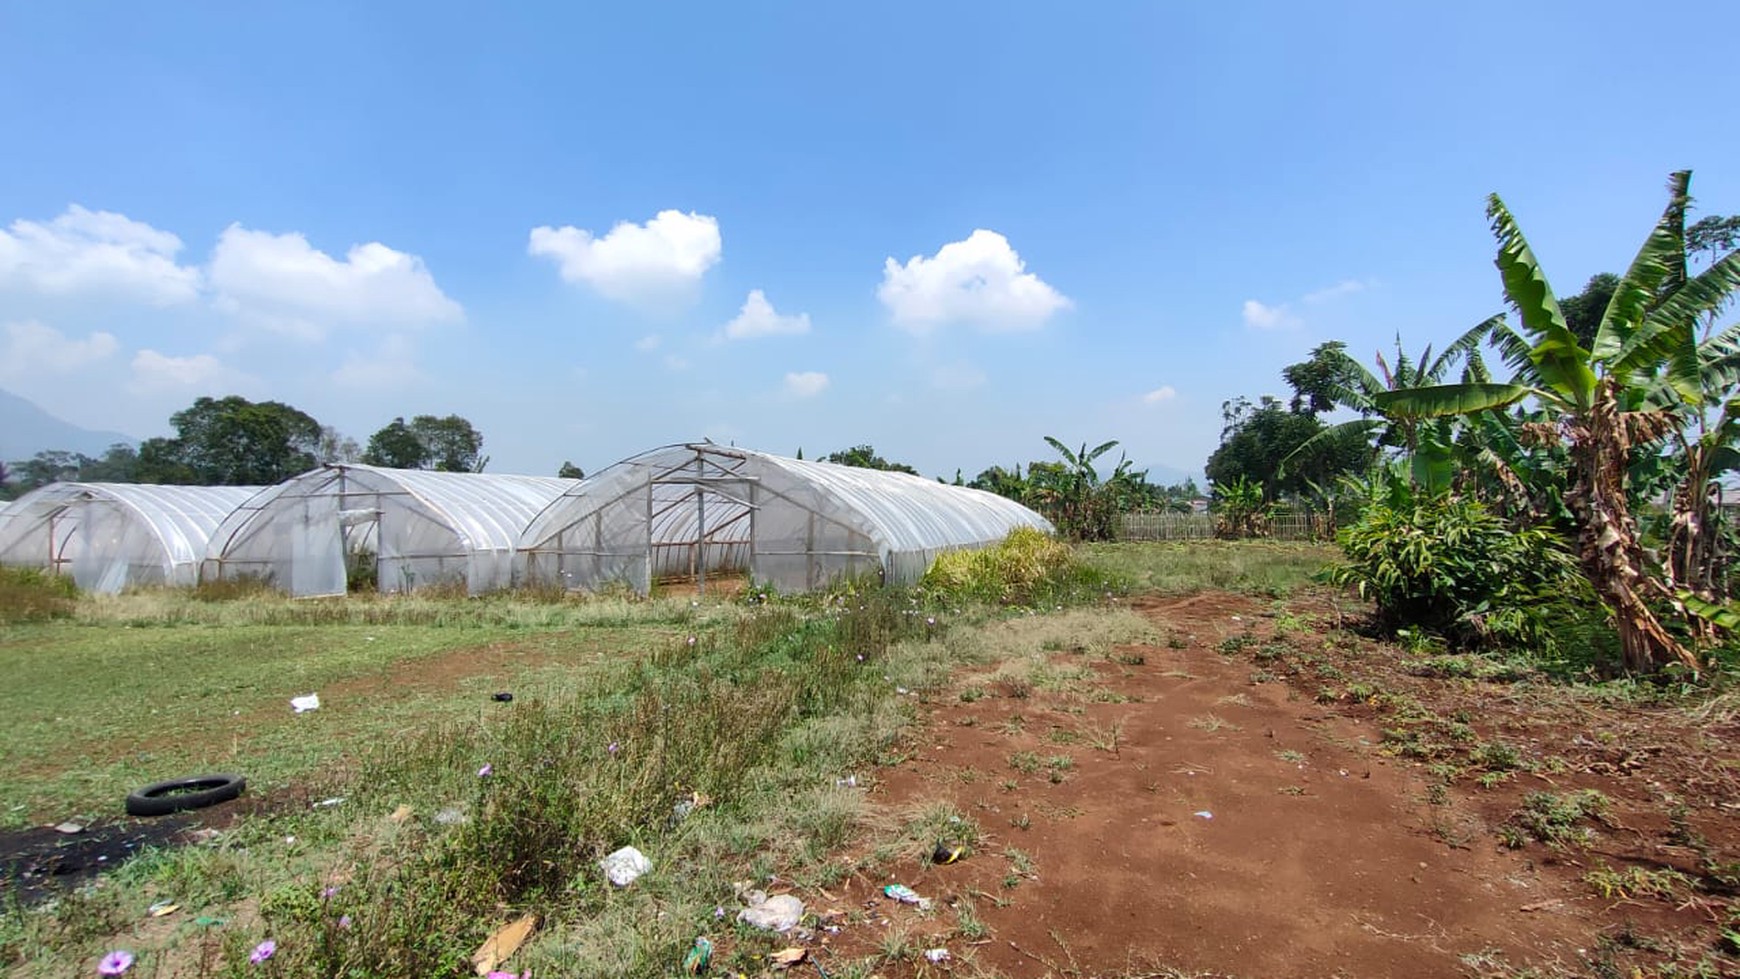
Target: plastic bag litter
310, 702
625, 866
779, 913
906, 895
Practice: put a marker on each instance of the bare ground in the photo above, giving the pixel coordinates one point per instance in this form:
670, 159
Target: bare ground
1228, 807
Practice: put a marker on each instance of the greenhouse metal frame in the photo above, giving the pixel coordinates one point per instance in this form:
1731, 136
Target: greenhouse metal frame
111, 536
691, 510
421, 527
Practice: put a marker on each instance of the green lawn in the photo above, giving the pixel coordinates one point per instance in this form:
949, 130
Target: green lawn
146, 687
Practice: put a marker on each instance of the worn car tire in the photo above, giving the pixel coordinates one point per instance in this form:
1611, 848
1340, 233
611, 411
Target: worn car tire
175, 795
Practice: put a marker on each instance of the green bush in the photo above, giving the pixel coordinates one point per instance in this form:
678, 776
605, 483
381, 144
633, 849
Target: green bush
1450, 568
33, 595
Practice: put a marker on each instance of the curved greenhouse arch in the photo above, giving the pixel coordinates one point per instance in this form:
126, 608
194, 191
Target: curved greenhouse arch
694, 509
111, 536
421, 527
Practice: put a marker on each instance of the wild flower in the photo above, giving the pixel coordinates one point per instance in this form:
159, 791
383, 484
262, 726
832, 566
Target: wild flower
262, 951
344, 922
486, 771
115, 963
613, 747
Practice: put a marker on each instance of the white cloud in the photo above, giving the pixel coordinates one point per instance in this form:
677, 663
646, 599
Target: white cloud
31, 348
284, 283
980, 281
1346, 287
84, 251
648, 344
806, 384
1164, 392
1261, 317
635, 263
200, 374
675, 363
959, 376
757, 318
391, 367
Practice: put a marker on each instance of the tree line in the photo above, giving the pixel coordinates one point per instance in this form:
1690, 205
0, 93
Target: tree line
232, 441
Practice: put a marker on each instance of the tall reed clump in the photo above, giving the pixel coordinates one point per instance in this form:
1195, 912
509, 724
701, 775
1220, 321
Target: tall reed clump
1027, 567
33, 595
515, 813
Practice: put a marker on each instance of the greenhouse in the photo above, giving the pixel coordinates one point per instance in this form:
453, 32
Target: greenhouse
391, 529
688, 511
109, 536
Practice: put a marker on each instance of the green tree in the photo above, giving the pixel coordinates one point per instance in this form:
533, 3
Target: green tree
865, 457
447, 444
570, 471
1072, 495
236, 442
49, 466
336, 447
1583, 311
396, 446
1256, 438
1599, 399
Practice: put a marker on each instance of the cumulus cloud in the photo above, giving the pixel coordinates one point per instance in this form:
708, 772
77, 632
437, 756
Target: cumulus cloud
201, 373
1261, 317
635, 263
806, 384
30, 348
980, 282
1164, 392
100, 252
284, 283
757, 318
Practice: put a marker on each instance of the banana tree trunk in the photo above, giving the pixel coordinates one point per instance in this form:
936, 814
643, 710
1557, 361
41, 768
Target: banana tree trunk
1607, 545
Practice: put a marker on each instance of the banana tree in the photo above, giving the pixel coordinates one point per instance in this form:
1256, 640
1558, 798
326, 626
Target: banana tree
1598, 402
1426, 443
1072, 495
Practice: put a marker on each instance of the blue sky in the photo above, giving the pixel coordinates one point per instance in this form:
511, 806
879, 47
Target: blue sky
945, 229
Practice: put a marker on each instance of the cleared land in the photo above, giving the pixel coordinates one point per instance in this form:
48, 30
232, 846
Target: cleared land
1370, 810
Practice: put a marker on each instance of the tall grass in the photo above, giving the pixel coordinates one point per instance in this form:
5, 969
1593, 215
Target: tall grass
32, 595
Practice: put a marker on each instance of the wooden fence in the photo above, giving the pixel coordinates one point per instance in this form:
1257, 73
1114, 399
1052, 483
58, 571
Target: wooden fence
1200, 526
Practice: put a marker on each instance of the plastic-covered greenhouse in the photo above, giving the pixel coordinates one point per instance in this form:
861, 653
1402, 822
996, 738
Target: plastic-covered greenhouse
690, 510
406, 528
109, 536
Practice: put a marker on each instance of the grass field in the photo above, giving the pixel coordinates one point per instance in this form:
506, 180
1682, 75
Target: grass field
751, 713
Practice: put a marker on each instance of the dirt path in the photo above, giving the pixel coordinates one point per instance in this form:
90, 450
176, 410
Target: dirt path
1207, 823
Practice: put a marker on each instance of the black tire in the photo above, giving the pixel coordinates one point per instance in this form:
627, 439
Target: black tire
175, 795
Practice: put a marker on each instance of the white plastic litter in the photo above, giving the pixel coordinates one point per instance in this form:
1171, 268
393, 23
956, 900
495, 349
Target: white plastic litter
1203, 814
778, 913
310, 702
937, 955
625, 866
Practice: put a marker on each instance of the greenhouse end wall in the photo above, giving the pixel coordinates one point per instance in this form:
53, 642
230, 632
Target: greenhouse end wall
696, 509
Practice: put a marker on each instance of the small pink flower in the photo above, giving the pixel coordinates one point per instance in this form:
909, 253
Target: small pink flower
344, 922
115, 963
613, 748
328, 893
262, 951
486, 771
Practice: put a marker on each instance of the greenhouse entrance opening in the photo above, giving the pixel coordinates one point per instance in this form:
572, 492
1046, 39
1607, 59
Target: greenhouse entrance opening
693, 513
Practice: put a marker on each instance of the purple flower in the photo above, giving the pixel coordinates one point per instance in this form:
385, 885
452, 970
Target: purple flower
613, 748
930, 620
719, 912
691, 640
486, 771
505, 975
115, 963
344, 922
262, 951
329, 893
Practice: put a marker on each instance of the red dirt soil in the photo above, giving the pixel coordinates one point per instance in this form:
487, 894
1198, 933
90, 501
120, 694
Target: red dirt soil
1204, 844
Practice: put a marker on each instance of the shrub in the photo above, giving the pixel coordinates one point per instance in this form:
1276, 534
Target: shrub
1449, 567
33, 595
1026, 567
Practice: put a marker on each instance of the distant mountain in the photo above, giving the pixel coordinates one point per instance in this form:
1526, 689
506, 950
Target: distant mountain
26, 430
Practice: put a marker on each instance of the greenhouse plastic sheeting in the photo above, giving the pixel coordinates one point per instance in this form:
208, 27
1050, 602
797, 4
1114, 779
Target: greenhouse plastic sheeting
418, 528
109, 536
686, 511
